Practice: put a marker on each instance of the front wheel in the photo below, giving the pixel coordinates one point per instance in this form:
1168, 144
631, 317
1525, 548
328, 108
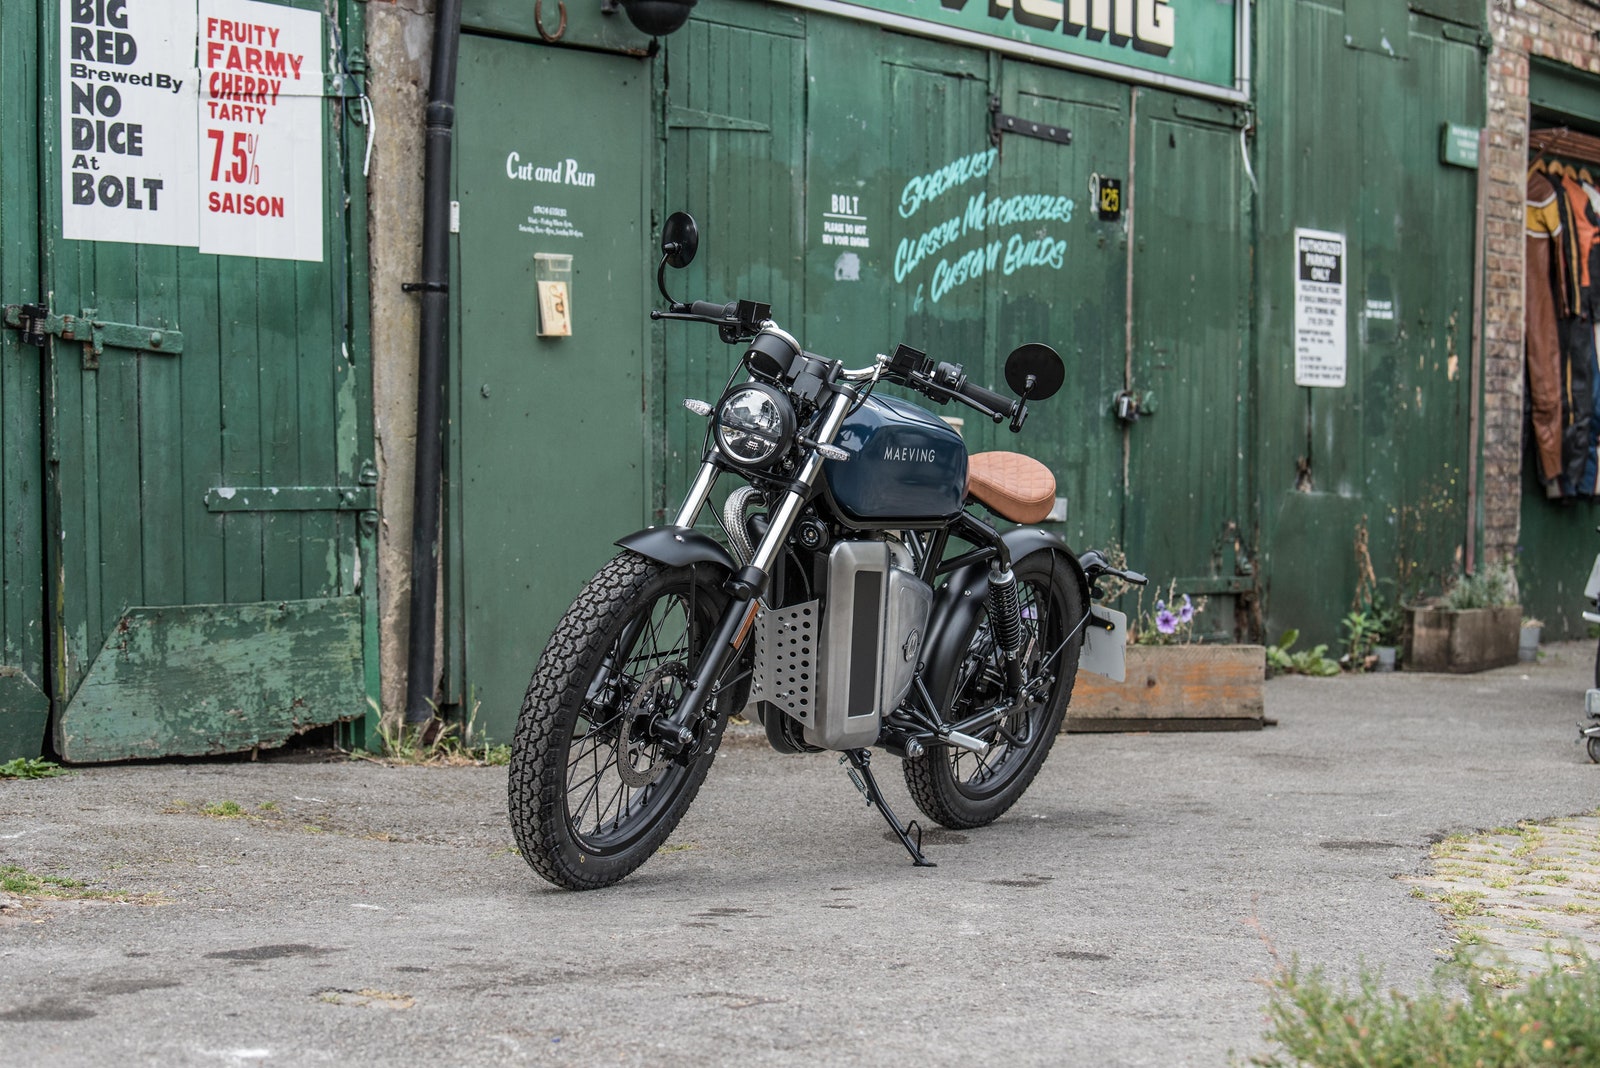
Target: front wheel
962, 789
591, 794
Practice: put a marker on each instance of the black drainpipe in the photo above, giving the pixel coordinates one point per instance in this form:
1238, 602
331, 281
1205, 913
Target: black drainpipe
432, 354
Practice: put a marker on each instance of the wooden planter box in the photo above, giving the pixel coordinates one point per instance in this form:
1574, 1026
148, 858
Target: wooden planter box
1175, 688
1438, 639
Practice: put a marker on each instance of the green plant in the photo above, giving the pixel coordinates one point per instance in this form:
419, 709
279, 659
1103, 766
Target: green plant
30, 768
1461, 1018
1361, 632
224, 810
1170, 622
1312, 661
1491, 586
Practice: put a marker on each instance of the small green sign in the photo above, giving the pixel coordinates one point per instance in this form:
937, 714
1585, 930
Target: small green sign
1458, 145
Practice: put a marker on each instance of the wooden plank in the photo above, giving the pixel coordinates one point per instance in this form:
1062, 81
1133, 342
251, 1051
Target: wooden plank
160, 451
202, 679
1180, 685
240, 353
286, 326
200, 420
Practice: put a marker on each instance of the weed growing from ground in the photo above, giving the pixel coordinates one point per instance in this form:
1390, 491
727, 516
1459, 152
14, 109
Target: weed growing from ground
30, 768
436, 743
20, 883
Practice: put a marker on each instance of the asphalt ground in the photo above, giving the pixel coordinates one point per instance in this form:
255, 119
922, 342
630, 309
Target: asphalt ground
1125, 912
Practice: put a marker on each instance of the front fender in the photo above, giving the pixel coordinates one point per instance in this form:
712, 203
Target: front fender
679, 547
957, 603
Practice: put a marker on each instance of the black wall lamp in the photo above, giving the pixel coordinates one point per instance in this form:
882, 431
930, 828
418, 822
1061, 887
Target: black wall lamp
655, 17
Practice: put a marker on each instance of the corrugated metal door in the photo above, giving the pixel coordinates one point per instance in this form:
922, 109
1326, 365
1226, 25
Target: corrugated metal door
209, 480
24, 701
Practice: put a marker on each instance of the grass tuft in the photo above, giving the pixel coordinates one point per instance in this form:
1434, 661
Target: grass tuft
1462, 1018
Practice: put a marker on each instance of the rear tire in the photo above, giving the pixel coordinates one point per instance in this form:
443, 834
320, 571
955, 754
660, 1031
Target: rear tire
960, 789
591, 795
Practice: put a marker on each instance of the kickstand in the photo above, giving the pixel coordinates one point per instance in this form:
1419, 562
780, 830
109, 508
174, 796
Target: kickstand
861, 774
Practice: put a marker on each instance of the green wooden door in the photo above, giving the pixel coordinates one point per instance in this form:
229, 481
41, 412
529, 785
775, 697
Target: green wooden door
735, 160
24, 681
548, 450
1350, 145
209, 478
1074, 299
1188, 515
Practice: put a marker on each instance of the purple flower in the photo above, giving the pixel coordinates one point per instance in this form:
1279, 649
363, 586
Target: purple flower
1186, 613
1166, 622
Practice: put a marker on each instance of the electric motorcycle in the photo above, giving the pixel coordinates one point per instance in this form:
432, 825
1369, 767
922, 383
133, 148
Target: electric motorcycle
857, 603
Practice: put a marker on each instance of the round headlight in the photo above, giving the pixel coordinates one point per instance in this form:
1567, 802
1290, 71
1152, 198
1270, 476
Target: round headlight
755, 424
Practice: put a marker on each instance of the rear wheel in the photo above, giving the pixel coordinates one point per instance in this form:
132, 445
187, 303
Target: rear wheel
963, 789
591, 794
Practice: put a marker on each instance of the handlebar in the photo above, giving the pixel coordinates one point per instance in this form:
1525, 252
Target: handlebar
741, 320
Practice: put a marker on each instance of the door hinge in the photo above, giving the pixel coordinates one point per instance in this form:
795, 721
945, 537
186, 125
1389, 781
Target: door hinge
1004, 124
35, 321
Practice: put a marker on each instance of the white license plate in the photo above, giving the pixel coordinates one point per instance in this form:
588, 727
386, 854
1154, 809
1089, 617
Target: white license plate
1104, 651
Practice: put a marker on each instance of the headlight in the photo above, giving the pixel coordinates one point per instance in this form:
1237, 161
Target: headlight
755, 424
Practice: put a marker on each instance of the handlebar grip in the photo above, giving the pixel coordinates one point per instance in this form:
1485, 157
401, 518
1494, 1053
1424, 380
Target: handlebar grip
998, 403
706, 309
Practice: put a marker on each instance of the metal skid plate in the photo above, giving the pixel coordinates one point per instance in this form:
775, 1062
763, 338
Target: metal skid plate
786, 660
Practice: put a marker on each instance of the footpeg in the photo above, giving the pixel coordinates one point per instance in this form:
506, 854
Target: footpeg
965, 741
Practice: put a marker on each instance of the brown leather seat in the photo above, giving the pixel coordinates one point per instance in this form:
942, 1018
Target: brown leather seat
1011, 485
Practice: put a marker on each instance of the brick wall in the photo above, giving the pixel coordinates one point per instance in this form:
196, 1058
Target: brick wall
1564, 31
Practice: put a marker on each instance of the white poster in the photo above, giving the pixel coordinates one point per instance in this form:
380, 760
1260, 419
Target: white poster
127, 121
1319, 308
260, 130
198, 127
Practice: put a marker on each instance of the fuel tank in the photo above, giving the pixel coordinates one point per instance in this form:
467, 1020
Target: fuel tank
908, 468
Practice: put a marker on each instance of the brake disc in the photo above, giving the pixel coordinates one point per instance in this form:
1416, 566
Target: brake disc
658, 694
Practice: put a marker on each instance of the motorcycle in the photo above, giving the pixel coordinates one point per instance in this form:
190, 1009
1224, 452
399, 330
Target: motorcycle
1589, 733
857, 604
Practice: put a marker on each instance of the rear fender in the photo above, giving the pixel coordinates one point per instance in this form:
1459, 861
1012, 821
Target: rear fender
958, 603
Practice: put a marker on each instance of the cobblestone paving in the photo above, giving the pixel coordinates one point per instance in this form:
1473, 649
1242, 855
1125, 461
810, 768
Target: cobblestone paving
1520, 898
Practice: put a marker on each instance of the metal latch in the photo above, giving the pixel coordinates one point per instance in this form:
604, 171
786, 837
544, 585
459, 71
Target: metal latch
35, 321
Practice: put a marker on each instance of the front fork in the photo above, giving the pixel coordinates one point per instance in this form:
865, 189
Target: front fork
676, 731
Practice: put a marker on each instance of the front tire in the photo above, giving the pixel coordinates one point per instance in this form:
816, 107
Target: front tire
960, 789
591, 795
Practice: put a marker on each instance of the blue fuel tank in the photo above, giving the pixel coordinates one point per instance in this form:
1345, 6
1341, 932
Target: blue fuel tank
908, 467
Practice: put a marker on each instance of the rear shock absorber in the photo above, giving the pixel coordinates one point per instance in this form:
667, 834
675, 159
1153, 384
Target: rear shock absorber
1005, 621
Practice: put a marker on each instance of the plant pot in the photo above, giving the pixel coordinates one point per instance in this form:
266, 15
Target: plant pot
1175, 688
1386, 657
1528, 647
1474, 639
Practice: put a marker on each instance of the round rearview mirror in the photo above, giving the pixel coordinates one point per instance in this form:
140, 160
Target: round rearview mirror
680, 239
1035, 371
